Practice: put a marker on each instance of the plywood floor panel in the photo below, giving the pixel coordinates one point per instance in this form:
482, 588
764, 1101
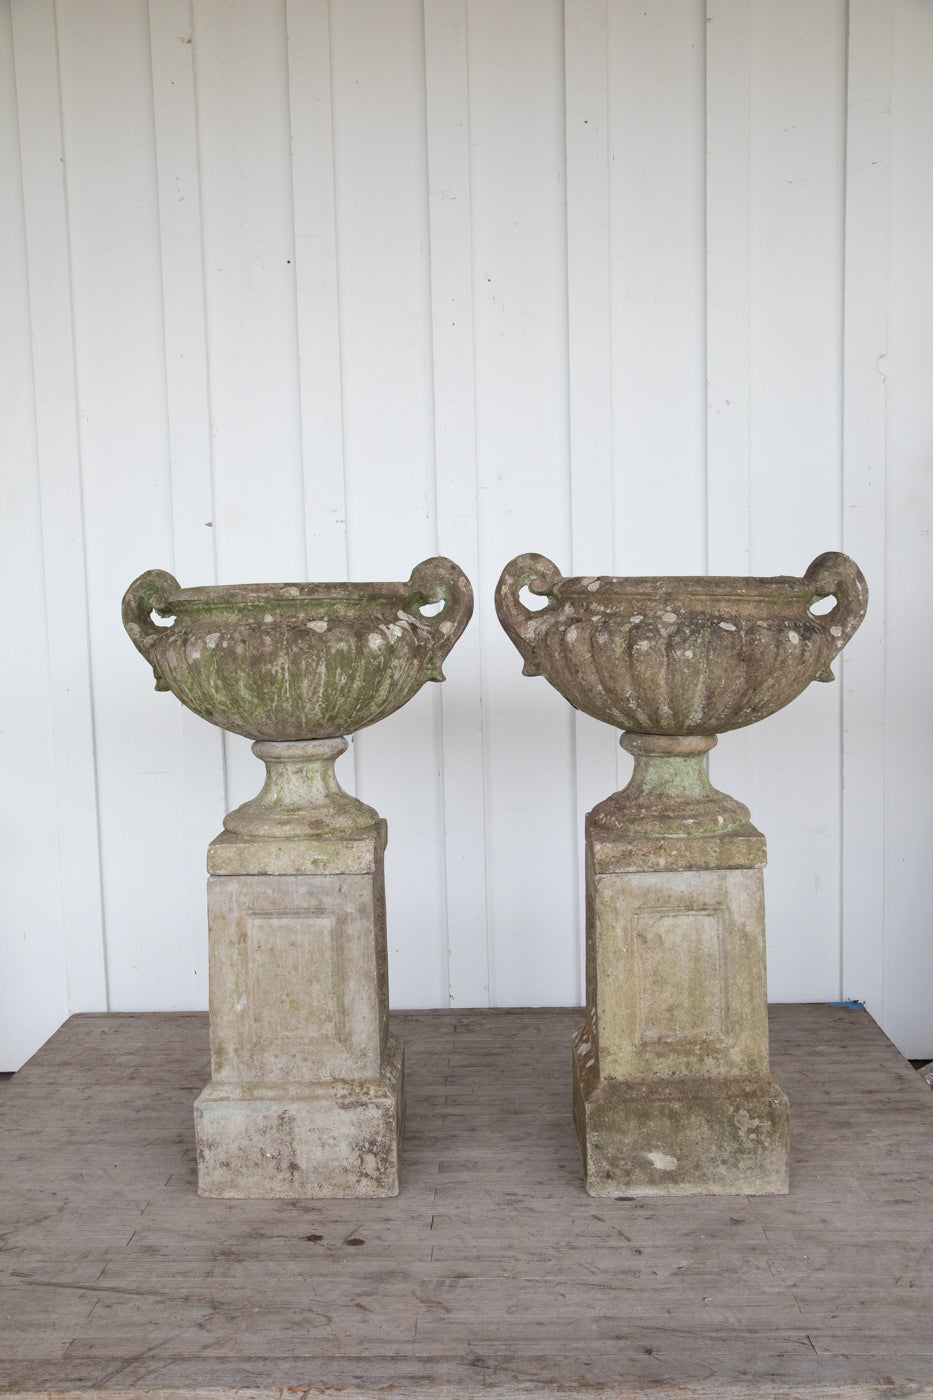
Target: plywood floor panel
492, 1272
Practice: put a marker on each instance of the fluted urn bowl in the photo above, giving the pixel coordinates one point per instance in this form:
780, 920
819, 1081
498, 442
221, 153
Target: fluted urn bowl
296, 661
674, 662
297, 667
681, 655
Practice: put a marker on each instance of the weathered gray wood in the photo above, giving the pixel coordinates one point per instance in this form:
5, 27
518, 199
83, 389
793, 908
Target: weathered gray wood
492, 1271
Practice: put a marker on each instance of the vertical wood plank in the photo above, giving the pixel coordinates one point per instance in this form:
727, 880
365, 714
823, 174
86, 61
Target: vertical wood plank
241, 64
727, 285
317, 300
798, 151
383, 235
33, 990
656, 171
520, 319
728, 310
182, 279
450, 212
656, 85
908, 371
58, 456
201, 789
106, 93
313, 200
248, 231
865, 428
589, 295
586, 80
798, 146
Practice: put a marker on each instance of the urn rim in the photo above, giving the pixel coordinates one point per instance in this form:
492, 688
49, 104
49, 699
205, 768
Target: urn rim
695, 587
209, 596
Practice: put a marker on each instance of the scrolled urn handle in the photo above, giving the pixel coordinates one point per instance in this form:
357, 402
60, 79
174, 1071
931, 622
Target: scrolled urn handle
541, 575
150, 593
440, 580
837, 576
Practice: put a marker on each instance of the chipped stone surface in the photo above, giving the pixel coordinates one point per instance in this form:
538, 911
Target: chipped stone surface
726, 1138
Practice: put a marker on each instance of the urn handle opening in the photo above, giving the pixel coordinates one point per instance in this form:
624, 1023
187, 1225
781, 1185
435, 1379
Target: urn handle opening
540, 576
531, 601
150, 594
834, 575
443, 599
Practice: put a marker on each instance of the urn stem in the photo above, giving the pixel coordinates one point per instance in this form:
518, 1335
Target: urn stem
302, 795
669, 793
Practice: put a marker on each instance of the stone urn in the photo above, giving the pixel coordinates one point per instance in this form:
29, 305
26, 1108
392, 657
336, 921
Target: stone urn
673, 662
306, 1095
673, 1092
297, 667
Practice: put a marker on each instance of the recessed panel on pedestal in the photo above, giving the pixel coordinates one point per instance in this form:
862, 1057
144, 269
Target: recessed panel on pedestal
682, 992
298, 955
293, 979
679, 972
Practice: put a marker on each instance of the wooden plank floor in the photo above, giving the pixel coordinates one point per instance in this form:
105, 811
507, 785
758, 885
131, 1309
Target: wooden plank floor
492, 1272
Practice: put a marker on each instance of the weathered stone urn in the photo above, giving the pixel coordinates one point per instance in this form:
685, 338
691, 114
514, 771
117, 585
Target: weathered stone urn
673, 1092
306, 1096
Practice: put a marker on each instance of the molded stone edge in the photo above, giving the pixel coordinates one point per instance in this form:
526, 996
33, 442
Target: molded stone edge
624, 853
229, 854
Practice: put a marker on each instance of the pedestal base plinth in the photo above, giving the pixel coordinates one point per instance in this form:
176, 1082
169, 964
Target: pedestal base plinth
321, 1140
686, 1137
673, 1092
306, 1095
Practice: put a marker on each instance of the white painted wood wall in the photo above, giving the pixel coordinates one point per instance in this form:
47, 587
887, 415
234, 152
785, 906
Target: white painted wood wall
295, 289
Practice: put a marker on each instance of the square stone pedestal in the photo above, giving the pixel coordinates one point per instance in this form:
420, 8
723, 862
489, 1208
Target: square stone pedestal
306, 1095
673, 1094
